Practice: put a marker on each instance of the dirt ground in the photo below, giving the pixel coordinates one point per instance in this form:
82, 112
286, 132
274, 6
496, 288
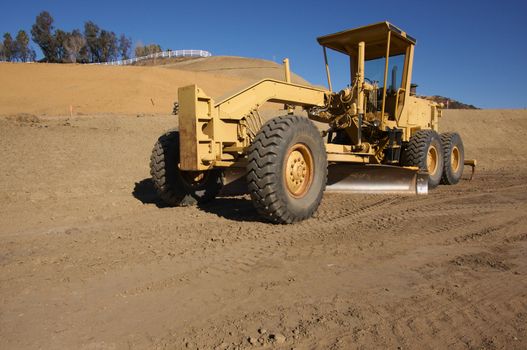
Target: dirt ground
90, 259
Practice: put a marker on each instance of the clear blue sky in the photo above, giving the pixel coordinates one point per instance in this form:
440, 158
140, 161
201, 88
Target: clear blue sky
473, 51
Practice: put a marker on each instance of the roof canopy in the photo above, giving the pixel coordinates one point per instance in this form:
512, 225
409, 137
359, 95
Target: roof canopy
375, 36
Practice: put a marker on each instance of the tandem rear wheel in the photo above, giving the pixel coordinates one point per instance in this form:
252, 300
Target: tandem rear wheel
442, 156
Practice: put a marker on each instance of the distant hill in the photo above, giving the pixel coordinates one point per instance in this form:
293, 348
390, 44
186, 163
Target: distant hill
449, 102
249, 69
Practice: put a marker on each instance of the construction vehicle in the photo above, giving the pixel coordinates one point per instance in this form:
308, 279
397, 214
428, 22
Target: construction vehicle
378, 136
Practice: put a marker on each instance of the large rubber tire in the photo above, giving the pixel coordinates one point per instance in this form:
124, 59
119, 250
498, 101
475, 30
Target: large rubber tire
424, 150
287, 169
174, 186
454, 157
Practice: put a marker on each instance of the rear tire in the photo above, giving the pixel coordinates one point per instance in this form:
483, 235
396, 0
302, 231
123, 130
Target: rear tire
174, 186
287, 169
454, 158
424, 151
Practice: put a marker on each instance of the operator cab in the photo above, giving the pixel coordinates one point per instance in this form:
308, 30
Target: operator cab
380, 60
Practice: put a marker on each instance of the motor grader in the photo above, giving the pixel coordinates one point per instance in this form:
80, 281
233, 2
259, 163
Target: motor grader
377, 135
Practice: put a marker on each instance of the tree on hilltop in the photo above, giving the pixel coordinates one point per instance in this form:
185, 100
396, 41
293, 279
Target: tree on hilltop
9, 49
42, 35
60, 38
23, 52
141, 50
95, 45
75, 46
91, 34
108, 46
125, 44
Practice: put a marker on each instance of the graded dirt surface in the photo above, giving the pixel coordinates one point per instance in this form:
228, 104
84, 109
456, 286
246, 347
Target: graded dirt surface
90, 259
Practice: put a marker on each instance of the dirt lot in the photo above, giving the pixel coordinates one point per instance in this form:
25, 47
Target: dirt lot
90, 259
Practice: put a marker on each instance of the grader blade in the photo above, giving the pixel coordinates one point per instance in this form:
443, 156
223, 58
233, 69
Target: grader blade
351, 178
355, 178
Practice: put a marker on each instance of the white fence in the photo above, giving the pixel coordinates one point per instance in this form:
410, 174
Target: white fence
164, 54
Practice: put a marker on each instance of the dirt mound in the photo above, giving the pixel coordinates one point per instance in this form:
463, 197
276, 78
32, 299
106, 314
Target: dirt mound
497, 138
64, 89
52, 89
251, 69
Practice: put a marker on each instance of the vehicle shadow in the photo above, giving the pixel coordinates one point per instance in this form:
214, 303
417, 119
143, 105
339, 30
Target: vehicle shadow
145, 192
236, 208
233, 208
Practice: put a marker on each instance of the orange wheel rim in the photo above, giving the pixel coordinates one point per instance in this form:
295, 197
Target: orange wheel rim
432, 160
455, 159
298, 170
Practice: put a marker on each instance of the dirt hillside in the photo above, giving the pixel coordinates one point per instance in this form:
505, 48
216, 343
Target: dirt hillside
251, 69
50, 89
497, 138
91, 259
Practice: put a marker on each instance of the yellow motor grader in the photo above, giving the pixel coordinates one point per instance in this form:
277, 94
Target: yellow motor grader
377, 136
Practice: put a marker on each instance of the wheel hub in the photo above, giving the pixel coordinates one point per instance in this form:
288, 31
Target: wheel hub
298, 170
455, 159
432, 160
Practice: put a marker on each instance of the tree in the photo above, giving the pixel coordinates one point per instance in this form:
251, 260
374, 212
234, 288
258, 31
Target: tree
60, 39
32, 55
9, 51
74, 45
42, 34
141, 50
91, 34
108, 46
125, 44
22, 46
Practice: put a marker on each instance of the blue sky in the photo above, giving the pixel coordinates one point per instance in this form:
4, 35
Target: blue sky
473, 51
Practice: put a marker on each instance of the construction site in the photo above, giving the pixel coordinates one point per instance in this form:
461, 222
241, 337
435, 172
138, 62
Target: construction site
99, 252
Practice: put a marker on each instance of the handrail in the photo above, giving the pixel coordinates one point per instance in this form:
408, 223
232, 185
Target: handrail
163, 54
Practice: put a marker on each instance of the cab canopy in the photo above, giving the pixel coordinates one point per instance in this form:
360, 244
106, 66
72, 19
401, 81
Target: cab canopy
375, 37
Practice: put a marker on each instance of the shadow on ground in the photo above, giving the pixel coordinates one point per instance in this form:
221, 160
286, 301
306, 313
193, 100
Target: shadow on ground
145, 192
236, 208
233, 208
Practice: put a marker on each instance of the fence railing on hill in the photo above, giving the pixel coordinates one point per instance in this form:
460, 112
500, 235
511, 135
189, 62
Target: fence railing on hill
163, 54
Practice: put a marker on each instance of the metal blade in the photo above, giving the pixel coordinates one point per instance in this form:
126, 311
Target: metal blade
366, 178
348, 177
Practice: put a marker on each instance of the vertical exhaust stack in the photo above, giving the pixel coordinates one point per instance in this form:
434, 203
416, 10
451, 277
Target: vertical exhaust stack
287, 70
393, 88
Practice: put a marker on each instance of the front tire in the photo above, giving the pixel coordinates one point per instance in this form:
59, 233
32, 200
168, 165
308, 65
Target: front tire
177, 187
287, 169
424, 151
454, 158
